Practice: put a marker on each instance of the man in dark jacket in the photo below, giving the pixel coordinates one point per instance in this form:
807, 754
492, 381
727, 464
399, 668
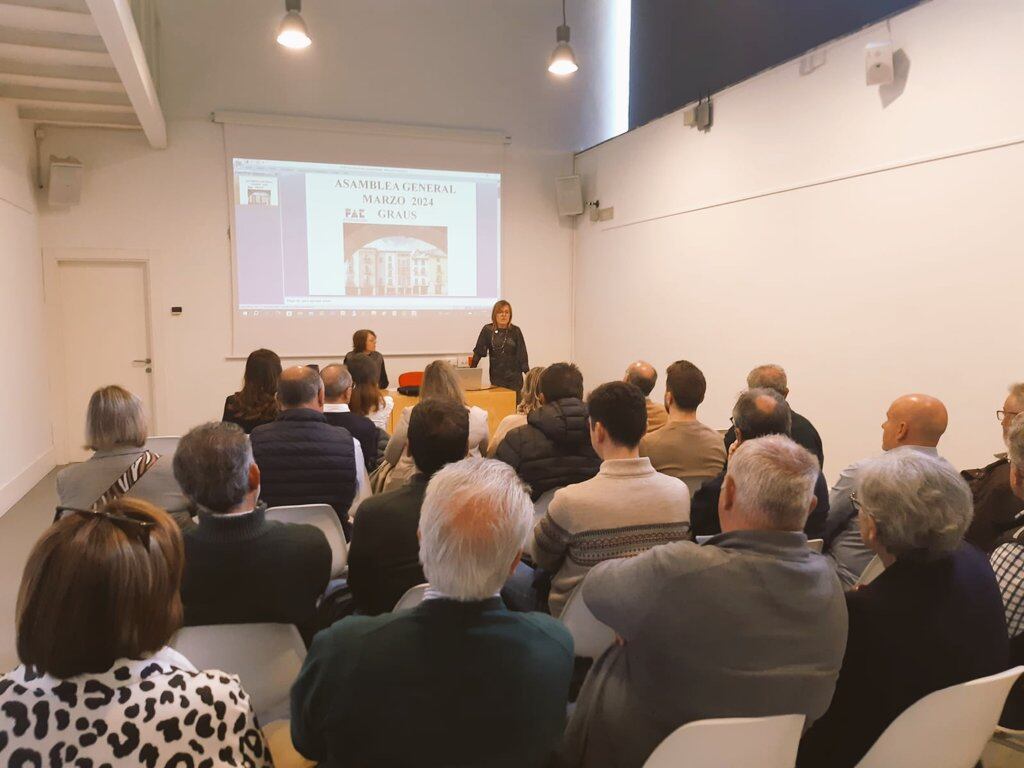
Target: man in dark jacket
337, 391
384, 559
553, 450
239, 566
802, 431
757, 413
302, 458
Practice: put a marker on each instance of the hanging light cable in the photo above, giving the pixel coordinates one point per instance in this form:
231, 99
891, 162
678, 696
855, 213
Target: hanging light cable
292, 32
563, 60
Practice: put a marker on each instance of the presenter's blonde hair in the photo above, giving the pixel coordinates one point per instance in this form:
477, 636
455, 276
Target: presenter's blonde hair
440, 381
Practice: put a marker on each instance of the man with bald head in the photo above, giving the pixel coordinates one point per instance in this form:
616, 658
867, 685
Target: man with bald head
302, 458
642, 375
912, 423
337, 391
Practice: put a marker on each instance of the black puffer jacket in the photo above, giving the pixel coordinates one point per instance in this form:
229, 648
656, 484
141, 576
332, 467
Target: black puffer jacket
553, 450
305, 460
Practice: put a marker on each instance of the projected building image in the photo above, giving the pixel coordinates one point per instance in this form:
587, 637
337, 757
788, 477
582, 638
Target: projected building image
395, 260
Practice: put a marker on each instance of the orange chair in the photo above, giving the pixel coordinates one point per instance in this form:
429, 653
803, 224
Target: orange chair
410, 379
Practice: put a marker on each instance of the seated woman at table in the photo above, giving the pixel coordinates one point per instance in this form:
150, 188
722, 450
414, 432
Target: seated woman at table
367, 399
440, 382
98, 604
364, 342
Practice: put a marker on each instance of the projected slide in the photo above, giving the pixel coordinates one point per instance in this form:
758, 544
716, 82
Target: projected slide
344, 239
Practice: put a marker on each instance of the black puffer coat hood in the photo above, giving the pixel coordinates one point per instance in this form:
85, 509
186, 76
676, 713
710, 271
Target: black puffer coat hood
563, 422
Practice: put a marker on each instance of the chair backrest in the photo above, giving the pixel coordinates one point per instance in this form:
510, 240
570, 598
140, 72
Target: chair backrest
872, 571
326, 519
410, 379
816, 545
767, 742
540, 506
266, 657
693, 484
412, 597
164, 445
945, 729
590, 637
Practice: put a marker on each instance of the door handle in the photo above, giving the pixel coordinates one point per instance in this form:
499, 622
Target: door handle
147, 361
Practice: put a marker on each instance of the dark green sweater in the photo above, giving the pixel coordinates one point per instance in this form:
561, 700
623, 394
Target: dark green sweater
443, 684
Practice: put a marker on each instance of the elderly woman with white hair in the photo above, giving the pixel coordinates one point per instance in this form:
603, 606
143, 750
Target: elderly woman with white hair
121, 465
933, 619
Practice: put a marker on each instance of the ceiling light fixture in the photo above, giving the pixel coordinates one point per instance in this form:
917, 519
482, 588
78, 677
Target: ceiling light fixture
292, 32
563, 60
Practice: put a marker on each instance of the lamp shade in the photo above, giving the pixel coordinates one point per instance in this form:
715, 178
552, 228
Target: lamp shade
292, 32
563, 60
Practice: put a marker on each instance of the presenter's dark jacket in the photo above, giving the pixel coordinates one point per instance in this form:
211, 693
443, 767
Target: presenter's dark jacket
995, 506
802, 432
242, 569
443, 684
378, 359
362, 429
917, 628
704, 519
384, 558
507, 350
305, 460
553, 450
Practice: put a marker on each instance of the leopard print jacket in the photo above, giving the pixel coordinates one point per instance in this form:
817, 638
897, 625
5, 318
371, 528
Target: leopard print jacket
158, 712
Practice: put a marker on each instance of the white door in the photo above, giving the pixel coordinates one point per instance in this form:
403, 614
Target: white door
104, 339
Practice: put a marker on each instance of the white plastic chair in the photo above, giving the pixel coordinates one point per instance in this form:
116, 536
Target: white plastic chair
266, 657
693, 484
871, 572
590, 637
816, 545
323, 517
164, 445
765, 742
412, 597
945, 729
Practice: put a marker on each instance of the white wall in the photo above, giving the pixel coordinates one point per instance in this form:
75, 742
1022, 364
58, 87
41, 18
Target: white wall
460, 64
857, 239
27, 451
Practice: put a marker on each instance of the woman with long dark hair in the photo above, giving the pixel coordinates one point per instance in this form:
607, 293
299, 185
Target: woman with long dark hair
256, 402
505, 345
367, 399
364, 342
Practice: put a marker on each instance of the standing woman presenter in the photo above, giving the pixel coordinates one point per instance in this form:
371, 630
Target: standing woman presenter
505, 344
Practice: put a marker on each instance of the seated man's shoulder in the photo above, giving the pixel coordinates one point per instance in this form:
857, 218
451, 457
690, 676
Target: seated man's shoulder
546, 629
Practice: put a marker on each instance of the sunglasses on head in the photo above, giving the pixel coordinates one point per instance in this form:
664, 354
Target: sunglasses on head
137, 529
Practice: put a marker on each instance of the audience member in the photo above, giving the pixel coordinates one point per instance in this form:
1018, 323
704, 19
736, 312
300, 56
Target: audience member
459, 679
337, 393
932, 619
684, 447
121, 465
239, 566
996, 506
256, 403
367, 399
440, 382
302, 458
753, 625
642, 375
627, 508
913, 423
529, 402
97, 684
383, 561
757, 413
364, 342
553, 449
774, 377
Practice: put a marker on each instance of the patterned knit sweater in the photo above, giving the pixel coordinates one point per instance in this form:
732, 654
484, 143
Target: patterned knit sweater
625, 510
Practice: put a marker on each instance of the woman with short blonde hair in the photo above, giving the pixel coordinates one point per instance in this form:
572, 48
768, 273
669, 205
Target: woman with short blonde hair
528, 403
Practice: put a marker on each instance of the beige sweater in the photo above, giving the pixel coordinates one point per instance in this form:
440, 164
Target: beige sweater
624, 510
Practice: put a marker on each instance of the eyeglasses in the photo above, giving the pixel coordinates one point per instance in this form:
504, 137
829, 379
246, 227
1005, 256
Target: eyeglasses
138, 529
1000, 415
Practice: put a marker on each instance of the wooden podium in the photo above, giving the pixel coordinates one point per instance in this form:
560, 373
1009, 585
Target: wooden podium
497, 401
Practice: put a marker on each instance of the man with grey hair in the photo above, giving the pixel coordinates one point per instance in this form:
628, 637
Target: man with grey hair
643, 376
932, 620
239, 566
337, 392
913, 423
305, 460
459, 679
773, 376
996, 506
752, 623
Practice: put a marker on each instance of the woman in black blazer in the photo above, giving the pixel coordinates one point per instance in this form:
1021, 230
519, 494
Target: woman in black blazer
506, 346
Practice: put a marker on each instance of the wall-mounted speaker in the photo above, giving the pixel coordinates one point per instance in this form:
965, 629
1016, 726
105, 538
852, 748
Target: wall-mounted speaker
65, 181
570, 195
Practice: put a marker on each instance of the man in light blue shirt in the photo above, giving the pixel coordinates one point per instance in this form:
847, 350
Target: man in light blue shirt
912, 423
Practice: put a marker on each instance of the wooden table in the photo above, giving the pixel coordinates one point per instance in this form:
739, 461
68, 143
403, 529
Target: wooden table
497, 401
